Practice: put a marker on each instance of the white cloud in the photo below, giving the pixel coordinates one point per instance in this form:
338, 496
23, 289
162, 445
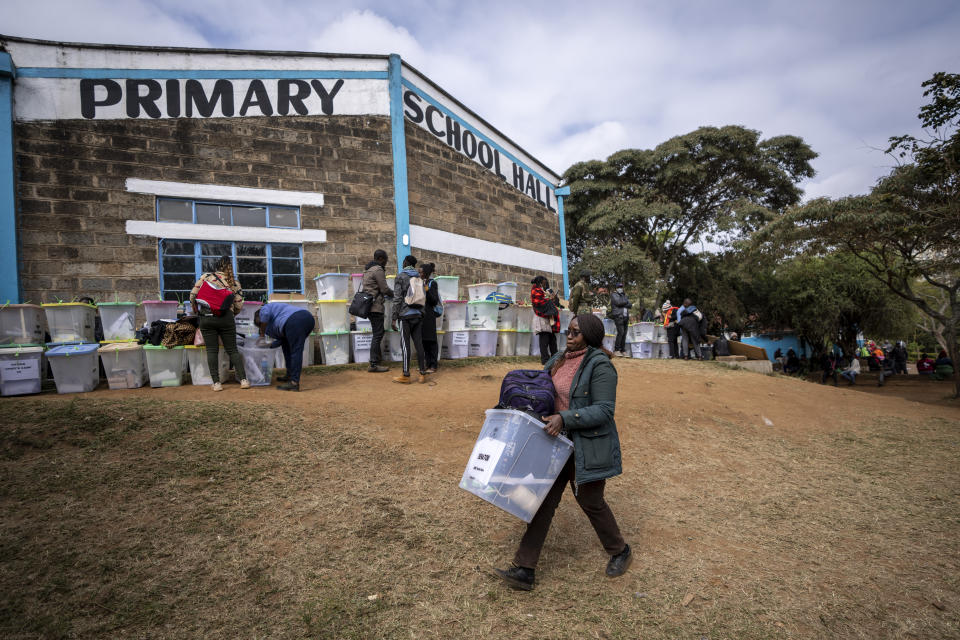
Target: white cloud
101, 21
365, 32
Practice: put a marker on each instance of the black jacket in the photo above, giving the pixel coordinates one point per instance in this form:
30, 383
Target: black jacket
428, 328
619, 304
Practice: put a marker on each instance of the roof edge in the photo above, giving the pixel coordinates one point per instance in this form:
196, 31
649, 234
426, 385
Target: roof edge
251, 52
289, 54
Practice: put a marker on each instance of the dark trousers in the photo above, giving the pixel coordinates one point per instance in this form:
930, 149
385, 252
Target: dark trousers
900, 367
431, 351
590, 498
827, 373
410, 328
621, 342
691, 339
296, 330
217, 328
376, 348
673, 332
548, 345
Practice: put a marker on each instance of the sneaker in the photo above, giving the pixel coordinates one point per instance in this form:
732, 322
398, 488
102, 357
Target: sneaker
402, 379
619, 563
431, 370
289, 386
517, 577
217, 386
377, 369
244, 384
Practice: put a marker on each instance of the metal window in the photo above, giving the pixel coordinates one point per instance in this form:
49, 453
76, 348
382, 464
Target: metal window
227, 213
261, 269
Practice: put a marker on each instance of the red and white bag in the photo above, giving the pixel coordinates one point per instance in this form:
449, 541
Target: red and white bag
213, 299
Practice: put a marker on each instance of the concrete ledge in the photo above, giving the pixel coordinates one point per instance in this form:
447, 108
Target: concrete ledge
760, 366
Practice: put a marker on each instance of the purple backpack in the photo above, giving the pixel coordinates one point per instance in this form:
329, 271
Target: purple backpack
527, 390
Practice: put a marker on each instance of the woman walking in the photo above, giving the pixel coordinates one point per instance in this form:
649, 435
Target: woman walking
585, 383
546, 317
217, 324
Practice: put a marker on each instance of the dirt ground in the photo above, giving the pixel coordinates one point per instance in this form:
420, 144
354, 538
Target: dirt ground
758, 506
441, 418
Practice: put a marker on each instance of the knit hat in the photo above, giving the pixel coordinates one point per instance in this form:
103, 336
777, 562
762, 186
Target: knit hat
591, 328
666, 305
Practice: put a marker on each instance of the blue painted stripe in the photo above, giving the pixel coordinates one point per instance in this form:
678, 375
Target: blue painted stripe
478, 134
563, 243
157, 74
401, 198
9, 262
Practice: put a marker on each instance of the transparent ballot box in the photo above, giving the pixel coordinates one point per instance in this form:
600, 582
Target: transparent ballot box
514, 462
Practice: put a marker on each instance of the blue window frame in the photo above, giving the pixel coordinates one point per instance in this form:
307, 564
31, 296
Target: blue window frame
183, 211
261, 268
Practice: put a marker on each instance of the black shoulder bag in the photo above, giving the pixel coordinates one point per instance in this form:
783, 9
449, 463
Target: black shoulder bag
362, 303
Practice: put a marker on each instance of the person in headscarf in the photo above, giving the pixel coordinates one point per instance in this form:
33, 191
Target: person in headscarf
220, 328
585, 383
546, 316
672, 327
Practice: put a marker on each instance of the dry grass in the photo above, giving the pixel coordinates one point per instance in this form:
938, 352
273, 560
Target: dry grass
137, 518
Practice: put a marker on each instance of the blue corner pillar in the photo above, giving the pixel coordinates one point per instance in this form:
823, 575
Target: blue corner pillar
9, 261
560, 193
401, 199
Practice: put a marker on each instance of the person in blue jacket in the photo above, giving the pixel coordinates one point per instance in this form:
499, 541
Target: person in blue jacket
290, 326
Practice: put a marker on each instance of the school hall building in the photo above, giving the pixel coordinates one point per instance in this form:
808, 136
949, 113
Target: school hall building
127, 171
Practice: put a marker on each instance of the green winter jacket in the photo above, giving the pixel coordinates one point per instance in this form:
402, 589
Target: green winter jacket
589, 421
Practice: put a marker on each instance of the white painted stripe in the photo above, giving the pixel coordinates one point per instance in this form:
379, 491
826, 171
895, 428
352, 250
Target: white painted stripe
185, 231
457, 245
217, 192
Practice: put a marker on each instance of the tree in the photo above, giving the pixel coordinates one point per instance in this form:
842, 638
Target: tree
906, 230
711, 184
827, 300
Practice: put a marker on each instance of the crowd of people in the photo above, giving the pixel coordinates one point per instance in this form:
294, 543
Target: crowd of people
417, 304
885, 360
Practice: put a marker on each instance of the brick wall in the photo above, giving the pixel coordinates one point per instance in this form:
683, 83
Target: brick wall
452, 193
73, 204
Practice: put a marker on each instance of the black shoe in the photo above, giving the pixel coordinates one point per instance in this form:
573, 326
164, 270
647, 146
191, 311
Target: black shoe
619, 563
289, 386
517, 577
283, 378
375, 368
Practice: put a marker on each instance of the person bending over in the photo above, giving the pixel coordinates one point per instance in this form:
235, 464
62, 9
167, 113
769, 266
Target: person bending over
290, 326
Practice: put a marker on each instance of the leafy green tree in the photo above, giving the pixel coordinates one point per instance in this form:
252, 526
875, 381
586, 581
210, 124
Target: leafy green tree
826, 300
712, 184
906, 230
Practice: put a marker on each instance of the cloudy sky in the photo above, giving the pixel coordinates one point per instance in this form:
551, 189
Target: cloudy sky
572, 81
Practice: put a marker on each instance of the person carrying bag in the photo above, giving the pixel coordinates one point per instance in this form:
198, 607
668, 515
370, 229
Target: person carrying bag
207, 298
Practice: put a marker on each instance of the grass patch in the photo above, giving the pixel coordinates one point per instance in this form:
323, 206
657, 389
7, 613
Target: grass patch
141, 518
